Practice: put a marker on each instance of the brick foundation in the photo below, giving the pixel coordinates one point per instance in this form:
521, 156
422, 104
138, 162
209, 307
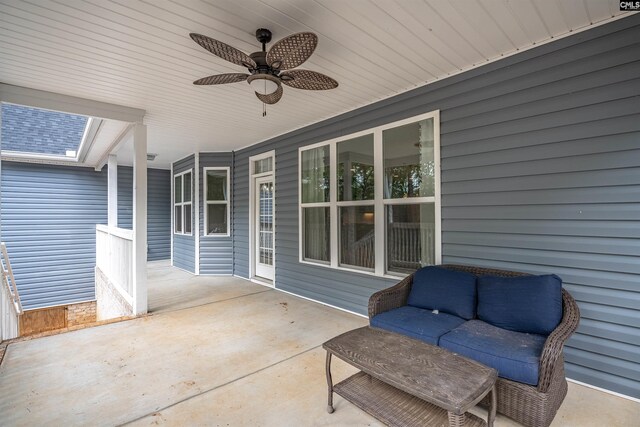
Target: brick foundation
59, 317
82, 313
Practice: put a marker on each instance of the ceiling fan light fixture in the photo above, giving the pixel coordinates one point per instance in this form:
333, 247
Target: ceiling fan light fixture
264, 84
268, 70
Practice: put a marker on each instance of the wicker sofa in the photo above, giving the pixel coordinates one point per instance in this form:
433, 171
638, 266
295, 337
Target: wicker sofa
531, 405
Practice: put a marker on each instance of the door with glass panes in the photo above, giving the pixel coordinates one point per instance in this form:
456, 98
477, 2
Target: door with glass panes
264, 240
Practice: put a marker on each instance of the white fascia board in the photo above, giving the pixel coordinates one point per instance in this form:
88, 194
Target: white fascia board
69, 104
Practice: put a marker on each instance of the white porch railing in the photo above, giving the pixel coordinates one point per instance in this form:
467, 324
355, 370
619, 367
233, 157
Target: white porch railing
405, 243
10, 305
114, 257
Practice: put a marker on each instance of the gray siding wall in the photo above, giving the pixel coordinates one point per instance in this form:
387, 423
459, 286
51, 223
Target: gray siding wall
158, 214
240, 201
49, 216
184, 247
158, 209
48, 221
125, 197
216, 255
540, 173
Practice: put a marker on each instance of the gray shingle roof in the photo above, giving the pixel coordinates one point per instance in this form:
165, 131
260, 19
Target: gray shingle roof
32, 130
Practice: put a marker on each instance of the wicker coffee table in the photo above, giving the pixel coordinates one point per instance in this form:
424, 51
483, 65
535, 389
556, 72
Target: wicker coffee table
406, 382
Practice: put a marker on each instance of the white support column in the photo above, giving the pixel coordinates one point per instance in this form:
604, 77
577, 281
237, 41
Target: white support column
112, 195
139, 219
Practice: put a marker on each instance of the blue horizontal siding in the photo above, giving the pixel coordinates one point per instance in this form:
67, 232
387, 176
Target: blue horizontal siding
216, 255
158, 209
540, 173
159, 214
184, 247
48, 222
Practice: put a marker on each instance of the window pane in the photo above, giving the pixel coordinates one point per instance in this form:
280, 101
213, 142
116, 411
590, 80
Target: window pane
357, 236
410, 237
355, 169
409, 167
315, 175
263, 165
187, 219
217, 185
177, 219
316, 228
217, 219
187, 187
177, 189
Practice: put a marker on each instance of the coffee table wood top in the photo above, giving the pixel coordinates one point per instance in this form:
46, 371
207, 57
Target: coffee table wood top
433, 374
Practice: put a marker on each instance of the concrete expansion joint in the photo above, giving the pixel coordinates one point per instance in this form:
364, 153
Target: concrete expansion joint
257, 371
212, 302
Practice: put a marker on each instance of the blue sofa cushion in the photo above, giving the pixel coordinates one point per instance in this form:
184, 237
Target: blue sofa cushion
417, 323
448, 291
515, 355
530, 304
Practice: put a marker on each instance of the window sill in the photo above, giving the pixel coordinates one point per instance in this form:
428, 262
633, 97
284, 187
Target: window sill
394, 276
217, 235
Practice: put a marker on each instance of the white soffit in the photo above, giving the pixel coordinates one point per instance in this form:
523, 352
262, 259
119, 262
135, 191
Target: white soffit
139, 54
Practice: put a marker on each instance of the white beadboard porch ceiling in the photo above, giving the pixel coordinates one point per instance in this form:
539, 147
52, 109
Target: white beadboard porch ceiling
139, 54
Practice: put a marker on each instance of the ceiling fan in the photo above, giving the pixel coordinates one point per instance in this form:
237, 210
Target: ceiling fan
268, 70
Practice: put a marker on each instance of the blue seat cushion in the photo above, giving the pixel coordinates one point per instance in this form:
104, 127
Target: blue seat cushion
448, 291
515, 355
417, 323
530, 304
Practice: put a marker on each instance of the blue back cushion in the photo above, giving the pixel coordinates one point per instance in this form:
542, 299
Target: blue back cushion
531, 304
449, 291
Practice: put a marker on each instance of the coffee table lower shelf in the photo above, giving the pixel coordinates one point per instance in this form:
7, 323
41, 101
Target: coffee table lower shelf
395, 407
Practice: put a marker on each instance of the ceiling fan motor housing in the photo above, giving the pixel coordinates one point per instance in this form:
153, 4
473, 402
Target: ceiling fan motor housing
260, 59
263, 35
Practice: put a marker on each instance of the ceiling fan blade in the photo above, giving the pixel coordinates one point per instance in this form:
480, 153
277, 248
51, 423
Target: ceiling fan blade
219, 79
272, 98
223, 50
308, 80
292, 51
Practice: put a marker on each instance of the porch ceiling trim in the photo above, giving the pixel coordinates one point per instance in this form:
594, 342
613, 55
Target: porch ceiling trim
69, 104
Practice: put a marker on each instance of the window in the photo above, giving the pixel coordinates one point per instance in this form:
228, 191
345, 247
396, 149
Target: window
263, 165
409, 189
182, 202
216, 191
314, 181
370, 201
355, 177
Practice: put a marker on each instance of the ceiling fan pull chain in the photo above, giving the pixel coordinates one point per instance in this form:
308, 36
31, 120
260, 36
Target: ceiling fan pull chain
264, 109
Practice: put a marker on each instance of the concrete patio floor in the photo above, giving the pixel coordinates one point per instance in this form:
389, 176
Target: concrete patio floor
216, 351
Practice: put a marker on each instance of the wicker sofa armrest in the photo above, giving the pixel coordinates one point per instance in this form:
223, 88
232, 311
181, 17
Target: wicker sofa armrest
553, 346
390, 298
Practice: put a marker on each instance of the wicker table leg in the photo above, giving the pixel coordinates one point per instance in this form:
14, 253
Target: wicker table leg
329, 384
493, 408
457, 420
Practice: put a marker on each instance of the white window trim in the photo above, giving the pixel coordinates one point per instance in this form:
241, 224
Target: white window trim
182, 204
379, 202
216, 202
